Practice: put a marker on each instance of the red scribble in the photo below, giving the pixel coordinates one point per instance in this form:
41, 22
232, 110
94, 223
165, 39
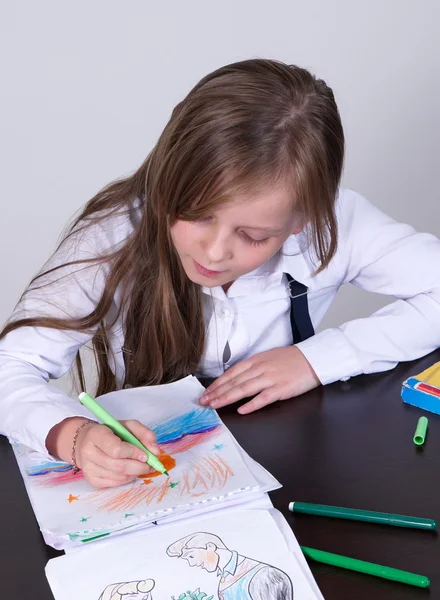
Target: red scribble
55, 478
190, 440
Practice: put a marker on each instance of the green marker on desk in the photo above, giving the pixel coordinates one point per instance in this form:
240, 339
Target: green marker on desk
420, 433
361, 566
370, 516
120, 430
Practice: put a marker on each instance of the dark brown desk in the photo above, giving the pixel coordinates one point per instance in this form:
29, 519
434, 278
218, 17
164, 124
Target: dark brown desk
347, 444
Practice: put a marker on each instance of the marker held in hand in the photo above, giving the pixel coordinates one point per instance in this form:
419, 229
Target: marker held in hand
121, 431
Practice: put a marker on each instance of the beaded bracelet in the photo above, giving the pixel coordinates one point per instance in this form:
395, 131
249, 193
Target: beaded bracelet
75, 437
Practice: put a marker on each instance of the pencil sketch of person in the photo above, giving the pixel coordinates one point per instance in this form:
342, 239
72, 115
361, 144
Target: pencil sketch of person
130, 590
240, 577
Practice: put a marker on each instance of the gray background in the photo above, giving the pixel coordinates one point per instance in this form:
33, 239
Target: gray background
87, 87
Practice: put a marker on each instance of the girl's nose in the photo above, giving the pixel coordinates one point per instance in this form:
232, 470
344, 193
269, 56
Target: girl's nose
217, 249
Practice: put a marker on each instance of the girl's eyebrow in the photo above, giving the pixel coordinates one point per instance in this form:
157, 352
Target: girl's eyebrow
268, 229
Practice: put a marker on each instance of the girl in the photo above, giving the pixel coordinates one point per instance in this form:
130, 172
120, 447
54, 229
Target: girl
219, 257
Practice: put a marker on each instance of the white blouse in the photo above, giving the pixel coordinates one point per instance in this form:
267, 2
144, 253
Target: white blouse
374, 252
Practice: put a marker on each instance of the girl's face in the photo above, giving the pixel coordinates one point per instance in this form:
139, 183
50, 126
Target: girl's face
236, 239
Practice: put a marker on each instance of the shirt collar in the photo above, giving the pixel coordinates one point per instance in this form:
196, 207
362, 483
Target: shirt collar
293, 258
230, 567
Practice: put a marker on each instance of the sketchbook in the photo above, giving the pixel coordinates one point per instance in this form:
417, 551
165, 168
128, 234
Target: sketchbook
207, 470
247, 553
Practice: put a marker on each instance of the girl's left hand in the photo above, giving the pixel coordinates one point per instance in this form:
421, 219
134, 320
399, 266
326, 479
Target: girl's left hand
273, 375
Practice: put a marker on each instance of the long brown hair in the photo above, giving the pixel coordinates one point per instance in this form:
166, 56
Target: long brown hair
249, 123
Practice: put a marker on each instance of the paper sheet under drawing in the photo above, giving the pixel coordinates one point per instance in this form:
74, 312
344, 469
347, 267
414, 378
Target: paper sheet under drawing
204, 462
241, 556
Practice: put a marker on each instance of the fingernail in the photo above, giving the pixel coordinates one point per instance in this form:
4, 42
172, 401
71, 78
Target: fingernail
204, 399
213, 404
142, 457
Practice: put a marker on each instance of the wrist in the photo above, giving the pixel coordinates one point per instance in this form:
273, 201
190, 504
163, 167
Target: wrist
76, 436
308, 370
60, 437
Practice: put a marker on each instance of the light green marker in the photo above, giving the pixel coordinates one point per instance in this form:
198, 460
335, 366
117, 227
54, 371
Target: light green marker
120, 430
420, 433
361, 566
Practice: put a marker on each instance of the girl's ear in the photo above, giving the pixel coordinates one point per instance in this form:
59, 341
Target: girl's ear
299, 221
299, 224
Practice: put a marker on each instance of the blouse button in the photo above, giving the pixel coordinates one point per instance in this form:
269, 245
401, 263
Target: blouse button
225, 312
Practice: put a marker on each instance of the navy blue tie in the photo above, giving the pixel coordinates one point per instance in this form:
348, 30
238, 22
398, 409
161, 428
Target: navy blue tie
302, 327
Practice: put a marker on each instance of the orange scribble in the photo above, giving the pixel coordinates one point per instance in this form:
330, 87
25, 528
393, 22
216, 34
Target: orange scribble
72, 498
212, 472
203, 477
168, 462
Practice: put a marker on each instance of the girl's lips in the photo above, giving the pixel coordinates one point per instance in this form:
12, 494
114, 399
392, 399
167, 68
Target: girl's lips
206, 272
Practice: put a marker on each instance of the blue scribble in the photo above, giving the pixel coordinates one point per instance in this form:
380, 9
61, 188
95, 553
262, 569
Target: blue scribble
48, 467
198, 420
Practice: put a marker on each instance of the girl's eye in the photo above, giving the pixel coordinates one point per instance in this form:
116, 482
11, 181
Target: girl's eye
253, 242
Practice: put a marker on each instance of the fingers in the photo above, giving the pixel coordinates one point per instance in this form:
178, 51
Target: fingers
237, 389
107, 461
119, 466
100, 476
146, 436
266, 397
111, 445
235, 383
231, 374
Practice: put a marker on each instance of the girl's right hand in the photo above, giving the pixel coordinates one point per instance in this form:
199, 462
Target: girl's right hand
105, 460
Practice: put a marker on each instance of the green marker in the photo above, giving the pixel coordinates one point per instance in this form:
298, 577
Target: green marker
370, 516
361, 566
120, 430
420, 433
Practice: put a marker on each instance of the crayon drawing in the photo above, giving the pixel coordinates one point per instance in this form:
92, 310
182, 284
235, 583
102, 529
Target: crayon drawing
238, 577
175, 435
202, 458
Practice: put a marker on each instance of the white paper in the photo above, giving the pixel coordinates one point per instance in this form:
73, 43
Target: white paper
234, 555
205, 464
